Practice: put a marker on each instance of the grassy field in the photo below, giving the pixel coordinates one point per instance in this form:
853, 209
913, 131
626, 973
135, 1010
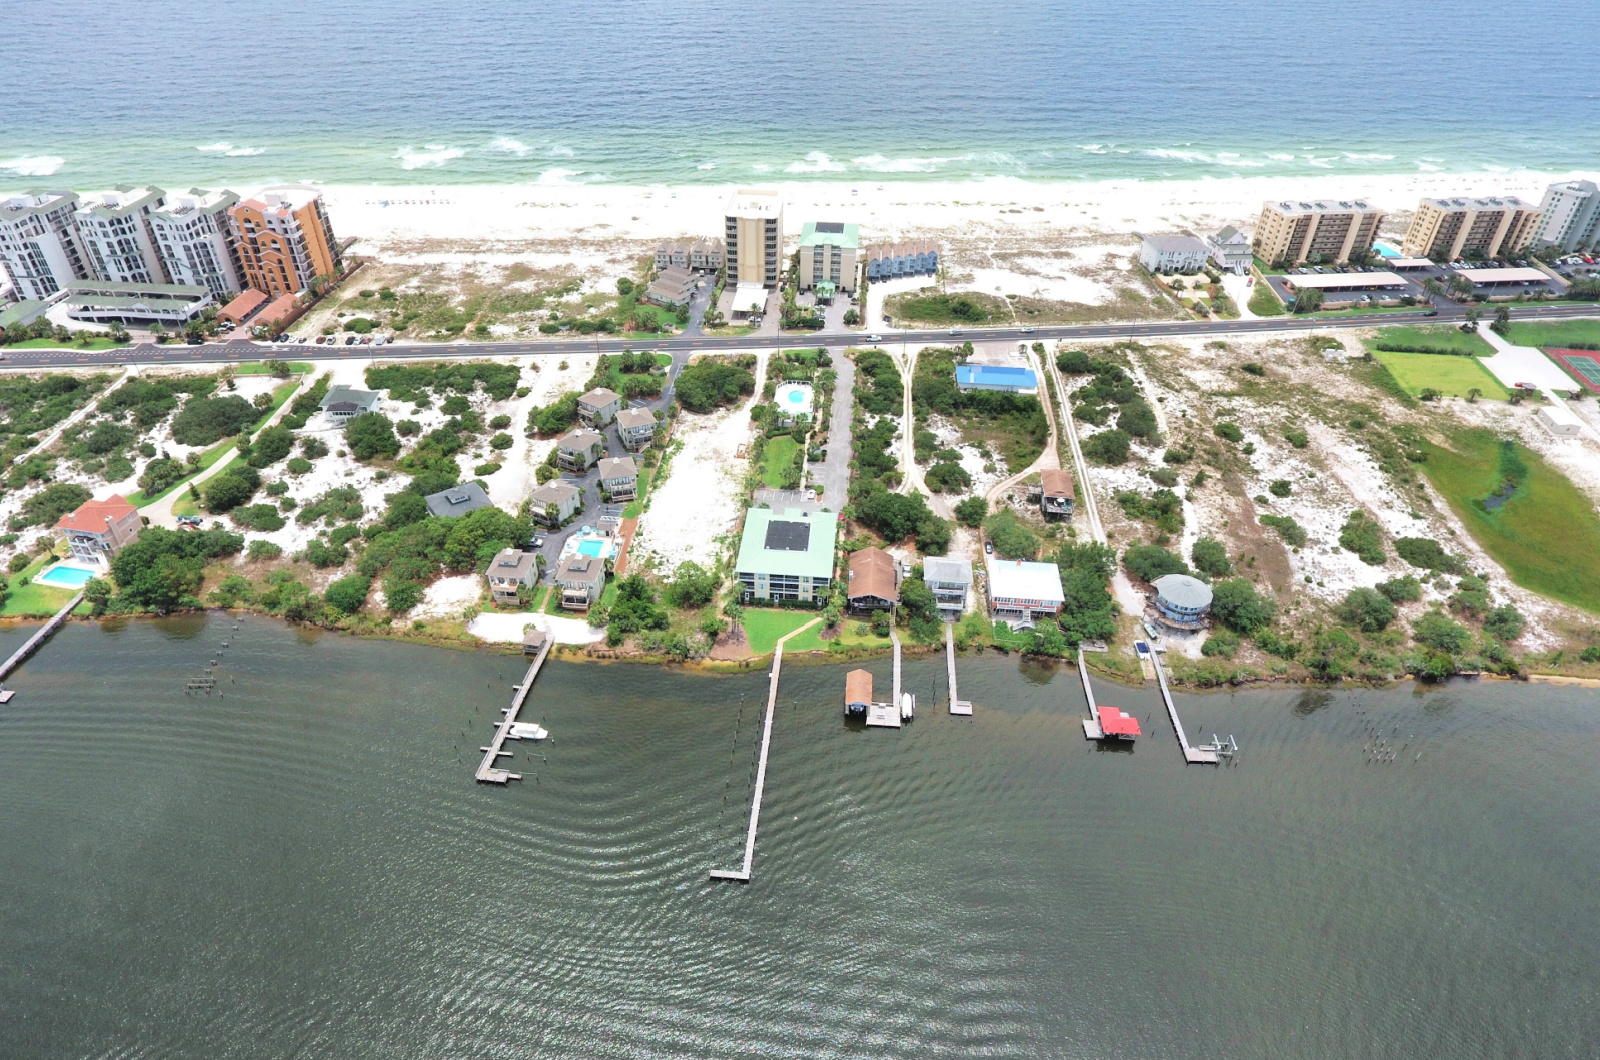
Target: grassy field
260, 368
1448, 375
1447, 337
70, 344
763, 628
848, 638
34, 599
1547, 536
951, 310
778, 458
1263, 303
1555, 333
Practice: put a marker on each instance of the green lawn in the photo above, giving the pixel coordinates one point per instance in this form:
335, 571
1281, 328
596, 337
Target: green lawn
260, 368
1425, 335
664, 360
1264, 303
1555, 333
1448, 375
26, 600
763, 628
778, 458
1547, 536
848, 638
70, 344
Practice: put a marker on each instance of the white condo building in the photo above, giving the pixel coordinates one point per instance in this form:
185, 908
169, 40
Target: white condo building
1571, 216
117, 236
194, 239
39, 247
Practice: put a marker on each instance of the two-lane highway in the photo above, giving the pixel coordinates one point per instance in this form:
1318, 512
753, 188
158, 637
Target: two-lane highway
244, 350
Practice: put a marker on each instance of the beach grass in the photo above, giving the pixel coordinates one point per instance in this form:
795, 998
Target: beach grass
33, 599
953, 309
1263, 303
71, 344
763, 628
1556, 333
777, 458
1445, 337
1546, 536
1454, 376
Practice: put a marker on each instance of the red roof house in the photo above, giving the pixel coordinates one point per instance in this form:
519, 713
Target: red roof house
97, 529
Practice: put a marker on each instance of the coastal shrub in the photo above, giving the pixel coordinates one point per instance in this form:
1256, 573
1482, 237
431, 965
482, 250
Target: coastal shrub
401, 595
270, 446
1471, 597
556, 417
1367, 610
1291, 531
1401, 590
501, 442
46, 507
1149, 562
298, 465
455, 405
1363, 536
411, 428
1228, 431
692, 586
500, 422
947, 477
1108, 447
1088, 611
313, 448
148, 400
162, 567
1504, 622
1297, 438
1177, 454
1164, 476
1209, 557
634, 611
1434, 630
20, 561
1428, 554
483, 470
371, 435
1253, 368
1138, 419
713, 384
349, 594
971, 512
1163, 508
262, 549
343, 535
407, 382
262, 517
1010, 538
305, 403
1331, 655
118, 468
1095, 415
359, 325
207, 420
897, 516
879, 388
320, 554
1073, 361
1274, 643
1590, 654
1221, 643
1280, 487
277, 488
1238, 606
230, 489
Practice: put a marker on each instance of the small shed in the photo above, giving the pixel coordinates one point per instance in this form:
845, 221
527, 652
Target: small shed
532, 641
857, 692
1559, 421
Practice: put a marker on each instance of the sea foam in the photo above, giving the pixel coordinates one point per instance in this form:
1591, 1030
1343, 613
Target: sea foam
33, 165
431, 156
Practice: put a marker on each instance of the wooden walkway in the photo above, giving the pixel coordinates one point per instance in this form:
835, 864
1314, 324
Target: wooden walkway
488, 771
958, 705
887, 715
32, 645
743, 875
1190, 754
1091, 724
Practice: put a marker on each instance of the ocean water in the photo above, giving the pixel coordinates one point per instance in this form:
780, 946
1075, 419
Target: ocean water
303, 866
655, 91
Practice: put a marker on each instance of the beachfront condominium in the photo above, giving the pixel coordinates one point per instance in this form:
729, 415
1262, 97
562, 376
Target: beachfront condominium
828, 252
754, 254
117, 236
284, 239
195, 241
1450, 229
1321, 231
1569, 216
39, 247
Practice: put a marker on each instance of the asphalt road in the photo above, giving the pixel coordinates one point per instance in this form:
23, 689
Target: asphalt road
244, 350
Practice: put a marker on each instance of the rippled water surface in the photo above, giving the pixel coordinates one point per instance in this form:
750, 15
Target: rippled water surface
303, 866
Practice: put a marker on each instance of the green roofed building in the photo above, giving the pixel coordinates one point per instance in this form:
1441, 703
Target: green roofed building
828, 253
786, 555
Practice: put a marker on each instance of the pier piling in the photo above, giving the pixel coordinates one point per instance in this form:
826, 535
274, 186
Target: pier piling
488, 772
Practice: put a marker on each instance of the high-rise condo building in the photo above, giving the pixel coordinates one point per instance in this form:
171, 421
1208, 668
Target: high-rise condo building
1570, 215
754, 237
828, 252
1327, 231
39, 247
194, 238
117, 237
1448, 229
284, 239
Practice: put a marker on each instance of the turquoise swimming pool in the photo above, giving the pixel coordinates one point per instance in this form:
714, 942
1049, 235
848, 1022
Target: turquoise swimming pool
590, 548
66, 577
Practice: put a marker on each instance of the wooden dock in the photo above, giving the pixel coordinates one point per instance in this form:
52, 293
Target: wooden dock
32, 645
958, 705
1190, 754
488, 771
743, 875
1091, 724
887, 715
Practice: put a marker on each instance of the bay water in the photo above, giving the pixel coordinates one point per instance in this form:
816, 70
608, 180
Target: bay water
302, 864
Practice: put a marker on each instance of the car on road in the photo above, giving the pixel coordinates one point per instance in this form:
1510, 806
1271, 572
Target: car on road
955, 331
1431, 313
1027, 331
874, 338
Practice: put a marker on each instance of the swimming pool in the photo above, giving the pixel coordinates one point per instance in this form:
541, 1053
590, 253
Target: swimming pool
65, 577
590, 548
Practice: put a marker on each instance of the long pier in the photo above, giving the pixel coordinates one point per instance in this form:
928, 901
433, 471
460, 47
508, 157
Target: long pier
743, 875
488, 771
1190, 754
958, 705
32, 645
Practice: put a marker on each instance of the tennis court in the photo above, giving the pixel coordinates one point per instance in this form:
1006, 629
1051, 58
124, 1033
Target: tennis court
1583, 364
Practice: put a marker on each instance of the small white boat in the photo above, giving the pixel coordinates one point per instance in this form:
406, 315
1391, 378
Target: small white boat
526, 730
908, 706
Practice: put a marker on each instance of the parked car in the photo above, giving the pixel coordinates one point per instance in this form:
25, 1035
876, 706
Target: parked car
988, 548
349, 340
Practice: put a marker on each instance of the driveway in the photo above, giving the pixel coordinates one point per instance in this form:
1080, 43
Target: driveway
1523, 364
835, 471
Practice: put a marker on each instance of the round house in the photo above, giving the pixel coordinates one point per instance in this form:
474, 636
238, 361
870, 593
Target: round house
1182, 602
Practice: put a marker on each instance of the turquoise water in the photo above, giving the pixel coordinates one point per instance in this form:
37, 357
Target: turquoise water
646, 91
70, 577
590, 548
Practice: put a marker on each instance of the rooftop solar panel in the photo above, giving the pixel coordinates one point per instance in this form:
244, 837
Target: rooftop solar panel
788, 537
